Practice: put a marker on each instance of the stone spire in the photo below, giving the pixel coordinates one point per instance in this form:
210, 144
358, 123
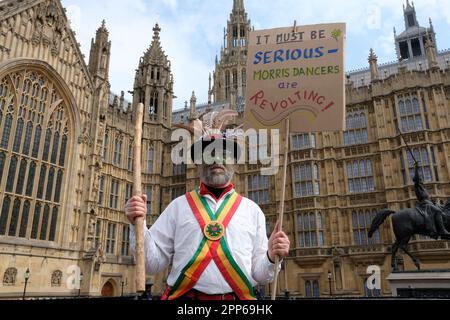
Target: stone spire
373, 62
431, 52
100, 53
193, 102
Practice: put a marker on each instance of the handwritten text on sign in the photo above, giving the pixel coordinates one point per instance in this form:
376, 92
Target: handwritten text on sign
297, 74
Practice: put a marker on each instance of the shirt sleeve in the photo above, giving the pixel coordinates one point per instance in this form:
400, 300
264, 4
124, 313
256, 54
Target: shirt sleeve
158, 242
262, 269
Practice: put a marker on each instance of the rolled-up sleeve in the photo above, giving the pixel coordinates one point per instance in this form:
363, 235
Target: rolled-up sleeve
158, 242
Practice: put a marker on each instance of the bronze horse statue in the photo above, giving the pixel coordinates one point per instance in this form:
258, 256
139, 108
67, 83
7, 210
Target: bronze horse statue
406, 223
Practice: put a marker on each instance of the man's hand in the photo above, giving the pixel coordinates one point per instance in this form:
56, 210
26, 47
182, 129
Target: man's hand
278, 244
136, 207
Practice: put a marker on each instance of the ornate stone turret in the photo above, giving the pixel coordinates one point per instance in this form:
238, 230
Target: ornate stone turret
373, 62
100, 54
153, 85
193, 103
431, 52
230, 70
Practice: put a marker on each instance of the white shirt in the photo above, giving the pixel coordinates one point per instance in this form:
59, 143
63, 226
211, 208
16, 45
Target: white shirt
176, 235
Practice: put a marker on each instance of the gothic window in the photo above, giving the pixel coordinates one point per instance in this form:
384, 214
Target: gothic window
370, 293
356, 132
179, 169
114, 194
21, 176
316, 289
154, 103
6, 131
362, 220
235, 81
18, 136
36, 141
9, 277
410, 114
360, 176
258, 188
150, 157
125, 249
310, 229
111, 238
24, 220
177, 192
2, 165
303, 141
27, 142
56, 278
308, 289
425, 165
44, 225
128, 191
35, 112
14, 218
117, 158
306, 179
130, 156
11, 174
148, 192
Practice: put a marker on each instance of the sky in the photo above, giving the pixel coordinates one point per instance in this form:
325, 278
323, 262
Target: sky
192, 31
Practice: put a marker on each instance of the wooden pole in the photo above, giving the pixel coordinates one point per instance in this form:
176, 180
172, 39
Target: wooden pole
137, 191
281, 213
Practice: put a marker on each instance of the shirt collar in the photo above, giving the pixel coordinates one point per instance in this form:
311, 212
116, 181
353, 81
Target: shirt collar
205, 191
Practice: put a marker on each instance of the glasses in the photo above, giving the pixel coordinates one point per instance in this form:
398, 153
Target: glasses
218, 156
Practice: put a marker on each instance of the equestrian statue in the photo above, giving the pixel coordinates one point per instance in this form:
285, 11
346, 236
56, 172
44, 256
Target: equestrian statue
427, 218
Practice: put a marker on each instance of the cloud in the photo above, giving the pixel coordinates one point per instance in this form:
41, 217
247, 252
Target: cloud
192, 31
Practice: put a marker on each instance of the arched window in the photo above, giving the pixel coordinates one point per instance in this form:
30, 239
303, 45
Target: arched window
36, 141
18, 137
14, 218
308, 289
316, 289
27, 142
154, 103
4, 215
401, 106
6, 131
24, 220
37, 112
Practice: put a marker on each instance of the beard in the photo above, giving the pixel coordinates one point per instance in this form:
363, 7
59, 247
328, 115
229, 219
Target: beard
216, 175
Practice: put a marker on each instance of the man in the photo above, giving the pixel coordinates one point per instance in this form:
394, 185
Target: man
215, 239
427, 207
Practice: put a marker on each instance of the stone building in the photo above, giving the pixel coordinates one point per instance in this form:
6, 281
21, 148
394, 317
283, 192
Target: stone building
66, 158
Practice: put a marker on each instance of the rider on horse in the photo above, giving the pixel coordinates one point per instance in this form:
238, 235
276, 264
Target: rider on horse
427, 208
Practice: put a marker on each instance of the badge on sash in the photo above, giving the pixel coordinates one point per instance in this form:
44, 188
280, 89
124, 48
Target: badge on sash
214, 230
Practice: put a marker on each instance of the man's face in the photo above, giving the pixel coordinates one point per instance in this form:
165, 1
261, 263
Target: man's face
217, 171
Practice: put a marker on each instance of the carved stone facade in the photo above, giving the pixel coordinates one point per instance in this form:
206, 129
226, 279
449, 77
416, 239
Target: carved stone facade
63, 204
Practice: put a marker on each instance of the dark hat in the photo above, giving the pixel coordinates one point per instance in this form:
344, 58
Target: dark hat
220, 141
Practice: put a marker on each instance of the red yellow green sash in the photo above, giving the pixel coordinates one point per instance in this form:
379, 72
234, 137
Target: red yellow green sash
213, 250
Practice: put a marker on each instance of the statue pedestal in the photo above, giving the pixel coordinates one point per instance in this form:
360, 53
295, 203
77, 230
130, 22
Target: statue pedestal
420, 284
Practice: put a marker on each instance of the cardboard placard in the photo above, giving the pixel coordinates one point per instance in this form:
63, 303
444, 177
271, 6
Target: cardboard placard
297, 74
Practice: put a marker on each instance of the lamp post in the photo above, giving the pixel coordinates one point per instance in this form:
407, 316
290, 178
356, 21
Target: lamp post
27, 276
79, 287
124, 283
329, 282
